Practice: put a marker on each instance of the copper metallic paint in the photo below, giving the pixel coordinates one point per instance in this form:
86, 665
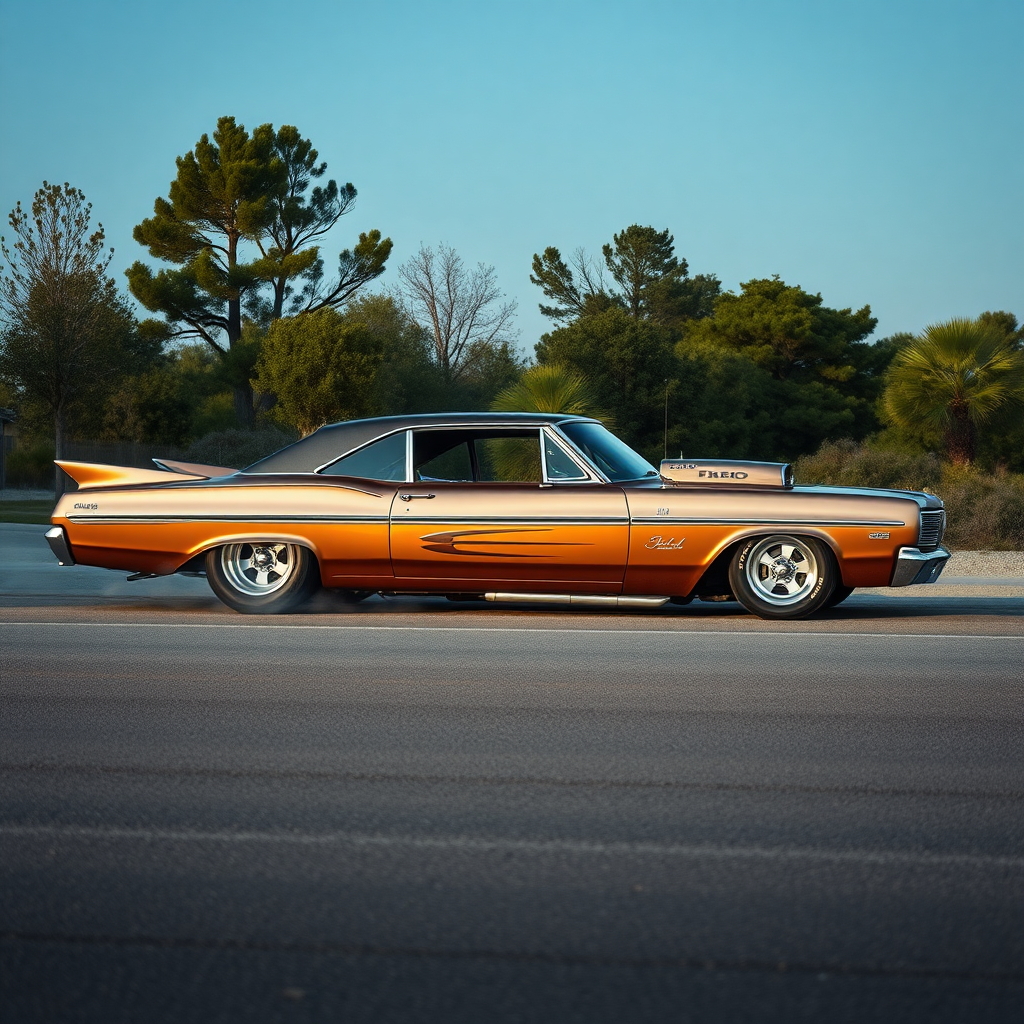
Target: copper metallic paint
591, 538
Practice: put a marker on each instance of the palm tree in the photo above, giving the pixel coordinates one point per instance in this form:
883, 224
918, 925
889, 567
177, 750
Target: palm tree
548, 387
544, 387
953, 378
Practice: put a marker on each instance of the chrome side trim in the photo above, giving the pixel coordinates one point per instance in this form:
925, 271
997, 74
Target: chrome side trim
539, 521
225, 519
593, 600
916, 566
58, 542
685, 521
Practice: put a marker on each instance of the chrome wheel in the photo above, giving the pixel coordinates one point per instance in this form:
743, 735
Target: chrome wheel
262, 576
258, 569
783, 577
782, 570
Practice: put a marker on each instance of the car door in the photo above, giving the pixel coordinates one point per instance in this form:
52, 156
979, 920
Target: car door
506, 507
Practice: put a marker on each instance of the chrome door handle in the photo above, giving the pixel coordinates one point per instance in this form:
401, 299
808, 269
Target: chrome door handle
409, 497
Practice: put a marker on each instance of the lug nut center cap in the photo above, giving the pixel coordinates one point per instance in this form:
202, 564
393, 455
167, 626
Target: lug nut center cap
783, 569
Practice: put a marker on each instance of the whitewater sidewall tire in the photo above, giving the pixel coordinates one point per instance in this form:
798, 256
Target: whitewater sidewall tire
783, 576
262, 577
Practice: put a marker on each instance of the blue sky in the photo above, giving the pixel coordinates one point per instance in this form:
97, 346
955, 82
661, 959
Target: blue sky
870, 151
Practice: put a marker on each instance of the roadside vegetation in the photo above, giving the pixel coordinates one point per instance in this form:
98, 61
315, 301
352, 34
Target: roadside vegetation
984, 508
248, 339
32, 512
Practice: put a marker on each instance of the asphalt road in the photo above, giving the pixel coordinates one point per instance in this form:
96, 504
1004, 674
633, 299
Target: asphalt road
415, 811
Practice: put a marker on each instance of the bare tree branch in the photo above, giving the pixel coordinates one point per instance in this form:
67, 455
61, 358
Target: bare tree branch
462, 307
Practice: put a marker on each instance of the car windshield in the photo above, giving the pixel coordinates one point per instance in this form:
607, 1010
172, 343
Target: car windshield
613, 457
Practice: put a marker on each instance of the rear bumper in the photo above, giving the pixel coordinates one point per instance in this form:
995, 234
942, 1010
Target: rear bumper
914, 566
58, 541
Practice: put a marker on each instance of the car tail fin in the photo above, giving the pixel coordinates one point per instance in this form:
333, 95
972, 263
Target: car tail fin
91, 474
194, 468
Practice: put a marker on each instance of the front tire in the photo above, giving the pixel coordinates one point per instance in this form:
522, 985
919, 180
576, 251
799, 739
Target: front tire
783, 577
839, 595
262, 578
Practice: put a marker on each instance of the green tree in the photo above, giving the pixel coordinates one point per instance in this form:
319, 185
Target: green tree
303, 213
653, 284
1001, 444
628, 363
320, 368
407, 379
954, 379
242, 212
66, 332
828, 377
152, 407
788, 331
548, 388
575, 291
1006, 324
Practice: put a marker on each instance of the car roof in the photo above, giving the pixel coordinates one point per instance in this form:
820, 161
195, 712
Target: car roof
336, 439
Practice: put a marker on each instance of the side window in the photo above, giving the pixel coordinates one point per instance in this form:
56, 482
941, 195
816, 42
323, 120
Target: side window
454, 464
488, 455
381, 460
559, 465
510, 459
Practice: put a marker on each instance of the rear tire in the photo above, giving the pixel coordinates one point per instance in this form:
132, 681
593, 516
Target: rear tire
262, 577
783, 577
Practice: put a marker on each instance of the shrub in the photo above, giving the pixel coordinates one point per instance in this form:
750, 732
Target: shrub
237, 449
853, 465
985, 510
30, 465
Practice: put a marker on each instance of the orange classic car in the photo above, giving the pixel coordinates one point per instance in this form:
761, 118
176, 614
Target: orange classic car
508, 507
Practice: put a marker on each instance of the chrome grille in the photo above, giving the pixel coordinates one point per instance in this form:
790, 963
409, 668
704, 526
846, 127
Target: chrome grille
933, 526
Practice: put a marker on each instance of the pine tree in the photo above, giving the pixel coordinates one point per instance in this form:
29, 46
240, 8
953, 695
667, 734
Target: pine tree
242, 214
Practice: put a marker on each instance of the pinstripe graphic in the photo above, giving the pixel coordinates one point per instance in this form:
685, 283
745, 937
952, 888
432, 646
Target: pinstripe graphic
454, 543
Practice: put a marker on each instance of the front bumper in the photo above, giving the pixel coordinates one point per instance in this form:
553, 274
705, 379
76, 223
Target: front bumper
58, 541
914, 566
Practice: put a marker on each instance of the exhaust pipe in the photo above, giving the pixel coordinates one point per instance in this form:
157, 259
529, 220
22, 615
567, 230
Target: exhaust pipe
592, 600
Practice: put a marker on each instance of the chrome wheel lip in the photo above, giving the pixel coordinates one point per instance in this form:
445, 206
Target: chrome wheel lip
785, 564
258, 569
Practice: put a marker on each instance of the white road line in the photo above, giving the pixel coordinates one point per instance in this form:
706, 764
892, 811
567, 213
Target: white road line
788, 633
471, 844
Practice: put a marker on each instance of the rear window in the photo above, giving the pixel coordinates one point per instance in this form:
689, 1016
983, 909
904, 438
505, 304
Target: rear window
381, 460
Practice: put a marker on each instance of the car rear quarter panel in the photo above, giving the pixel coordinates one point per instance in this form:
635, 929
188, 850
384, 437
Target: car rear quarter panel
159, 528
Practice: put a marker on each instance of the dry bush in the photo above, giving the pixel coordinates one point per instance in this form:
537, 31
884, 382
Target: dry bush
853, 465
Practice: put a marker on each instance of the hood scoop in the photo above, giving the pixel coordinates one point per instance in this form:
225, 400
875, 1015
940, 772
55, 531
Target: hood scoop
724, 473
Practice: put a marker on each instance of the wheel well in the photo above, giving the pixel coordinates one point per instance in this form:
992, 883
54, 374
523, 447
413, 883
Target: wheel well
197, 563
715, 578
